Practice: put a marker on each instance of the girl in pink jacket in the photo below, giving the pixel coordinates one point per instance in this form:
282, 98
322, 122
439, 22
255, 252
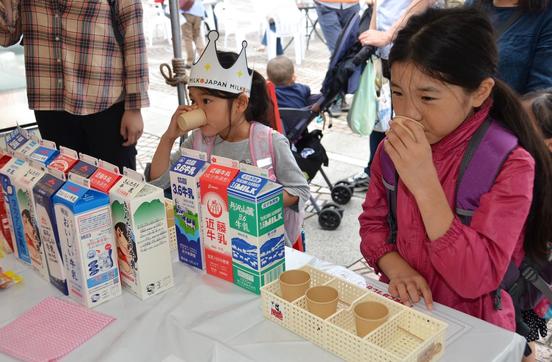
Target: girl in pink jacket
443, 66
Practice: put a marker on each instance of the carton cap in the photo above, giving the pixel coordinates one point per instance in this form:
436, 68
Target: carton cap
68, 152
133, 175
88, 159
193, 154
48, 144
225, 161
79, 180
257, 171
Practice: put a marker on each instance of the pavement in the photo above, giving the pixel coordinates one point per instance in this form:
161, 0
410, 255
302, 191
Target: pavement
348, 153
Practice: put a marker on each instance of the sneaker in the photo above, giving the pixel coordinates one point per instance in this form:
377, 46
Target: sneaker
335, 109
360, 179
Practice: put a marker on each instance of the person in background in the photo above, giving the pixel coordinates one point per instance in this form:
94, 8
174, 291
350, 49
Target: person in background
87, 72
388, 17
523, 30
333, 16
281, 72
191, 32
539, 106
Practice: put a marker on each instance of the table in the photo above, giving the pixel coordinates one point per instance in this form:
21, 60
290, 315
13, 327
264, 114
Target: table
206, 319
310, 23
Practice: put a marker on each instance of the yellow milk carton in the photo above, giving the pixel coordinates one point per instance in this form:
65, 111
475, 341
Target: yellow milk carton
140, 225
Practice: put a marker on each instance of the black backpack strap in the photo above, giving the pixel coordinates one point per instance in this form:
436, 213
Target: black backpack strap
115, 23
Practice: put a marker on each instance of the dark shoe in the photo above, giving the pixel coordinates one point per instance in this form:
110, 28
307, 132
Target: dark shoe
345, 106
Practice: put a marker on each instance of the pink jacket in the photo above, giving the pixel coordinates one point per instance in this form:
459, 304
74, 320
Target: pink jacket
467, 264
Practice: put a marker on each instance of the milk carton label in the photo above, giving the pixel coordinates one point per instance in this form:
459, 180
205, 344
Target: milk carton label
185, 176
44, 155
140, 227
63, 163
28, 148
26, 201
43, 192
16, 139
214, 215
83, 169
257, 230
84, 222
103, 180
8, 175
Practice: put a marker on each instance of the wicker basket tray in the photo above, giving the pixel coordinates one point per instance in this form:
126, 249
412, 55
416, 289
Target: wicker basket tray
408, 335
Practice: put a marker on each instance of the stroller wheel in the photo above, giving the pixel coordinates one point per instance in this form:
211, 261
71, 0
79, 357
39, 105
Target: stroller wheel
329, 219
342, 193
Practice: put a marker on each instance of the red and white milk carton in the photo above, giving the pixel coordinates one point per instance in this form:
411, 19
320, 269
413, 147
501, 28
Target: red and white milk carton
214, 216
105, 177
65, 161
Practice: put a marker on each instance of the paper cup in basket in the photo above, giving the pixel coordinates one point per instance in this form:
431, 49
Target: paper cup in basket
369, 316
322, 301
294, 284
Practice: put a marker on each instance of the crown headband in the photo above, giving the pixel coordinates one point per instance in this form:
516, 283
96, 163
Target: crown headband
207, 72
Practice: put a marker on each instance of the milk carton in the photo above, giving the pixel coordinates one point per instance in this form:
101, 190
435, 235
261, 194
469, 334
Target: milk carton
45, 153
21, 143
65, 160
256, 214
6, 241
8, 175
85, 167
105, 177
85, 227
214, 215
140, 225
24, 189
185, 175
44, 191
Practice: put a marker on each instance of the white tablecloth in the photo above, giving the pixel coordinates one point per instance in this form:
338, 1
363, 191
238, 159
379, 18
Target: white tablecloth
206, 319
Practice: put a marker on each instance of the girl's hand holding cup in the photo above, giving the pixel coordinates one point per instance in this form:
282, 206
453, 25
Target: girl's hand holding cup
408, 148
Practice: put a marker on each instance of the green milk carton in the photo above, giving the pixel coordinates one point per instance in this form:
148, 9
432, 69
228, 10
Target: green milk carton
256, 213
140, 226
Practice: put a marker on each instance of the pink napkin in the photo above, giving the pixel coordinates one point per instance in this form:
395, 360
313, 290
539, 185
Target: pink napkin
50, 330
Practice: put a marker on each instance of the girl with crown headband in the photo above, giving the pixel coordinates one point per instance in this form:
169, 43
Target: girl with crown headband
236, 104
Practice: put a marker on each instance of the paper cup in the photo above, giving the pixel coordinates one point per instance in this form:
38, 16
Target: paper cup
294, 284
193, 119
322, 301
401, 120
369, 316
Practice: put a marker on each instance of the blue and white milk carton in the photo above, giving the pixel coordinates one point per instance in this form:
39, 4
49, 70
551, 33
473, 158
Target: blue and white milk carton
8, 176
85, 227
21, 144
185, 176
45, 153
44, 192
256, 214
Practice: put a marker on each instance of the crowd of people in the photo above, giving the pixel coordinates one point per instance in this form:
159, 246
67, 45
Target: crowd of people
460, 77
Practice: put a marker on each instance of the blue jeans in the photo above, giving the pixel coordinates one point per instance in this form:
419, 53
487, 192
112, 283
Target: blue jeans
332, 22
279, 48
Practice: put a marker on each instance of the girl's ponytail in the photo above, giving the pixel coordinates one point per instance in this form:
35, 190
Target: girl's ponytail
259, 103
507, 108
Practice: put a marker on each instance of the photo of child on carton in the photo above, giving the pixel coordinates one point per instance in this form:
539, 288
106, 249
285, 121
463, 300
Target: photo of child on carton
31, 235
126, 249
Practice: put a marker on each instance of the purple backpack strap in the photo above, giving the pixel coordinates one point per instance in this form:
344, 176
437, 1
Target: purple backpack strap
390, 180
487, 150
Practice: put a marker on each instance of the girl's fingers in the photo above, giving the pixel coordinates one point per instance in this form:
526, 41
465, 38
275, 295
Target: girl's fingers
413, 292
403, 294
397, 144
428, 298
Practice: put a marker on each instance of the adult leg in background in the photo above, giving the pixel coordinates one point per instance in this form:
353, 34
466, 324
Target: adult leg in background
103, 135
329, 22
63, 128
198, 38
188, 38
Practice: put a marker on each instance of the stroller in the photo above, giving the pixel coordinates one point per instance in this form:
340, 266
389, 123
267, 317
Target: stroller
343, 76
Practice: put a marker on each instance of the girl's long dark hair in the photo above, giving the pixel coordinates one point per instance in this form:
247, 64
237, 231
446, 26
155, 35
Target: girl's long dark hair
260, 107
457, 46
